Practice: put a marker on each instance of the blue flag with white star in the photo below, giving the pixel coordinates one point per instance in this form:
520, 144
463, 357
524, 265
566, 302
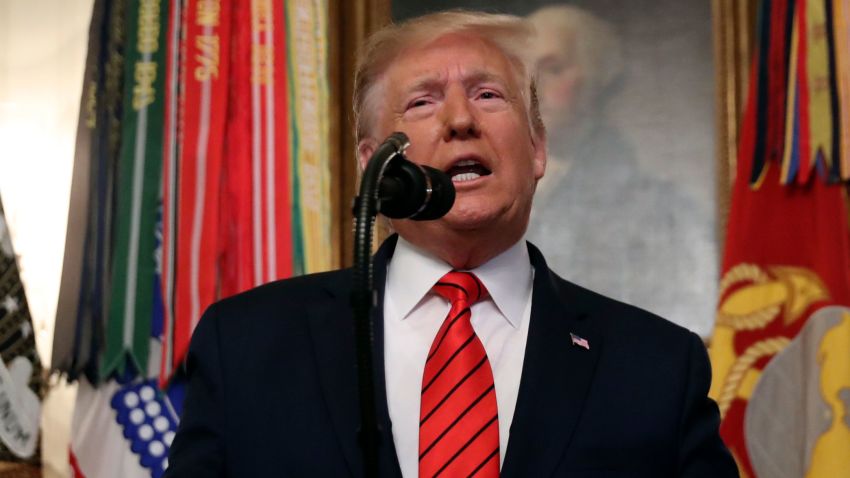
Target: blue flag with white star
21, 383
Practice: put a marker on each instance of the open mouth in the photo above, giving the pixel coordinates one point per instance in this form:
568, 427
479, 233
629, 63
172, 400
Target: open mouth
467, 170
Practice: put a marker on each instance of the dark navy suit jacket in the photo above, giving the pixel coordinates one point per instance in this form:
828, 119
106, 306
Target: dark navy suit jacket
272, 388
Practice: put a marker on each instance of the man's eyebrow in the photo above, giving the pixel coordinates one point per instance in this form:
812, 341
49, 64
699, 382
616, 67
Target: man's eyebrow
429, 82
434, 81
482, 76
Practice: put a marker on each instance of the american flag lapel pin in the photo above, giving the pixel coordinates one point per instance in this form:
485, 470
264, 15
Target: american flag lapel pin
579, 341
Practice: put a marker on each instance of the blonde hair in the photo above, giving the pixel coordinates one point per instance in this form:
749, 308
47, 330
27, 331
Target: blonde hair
510, 34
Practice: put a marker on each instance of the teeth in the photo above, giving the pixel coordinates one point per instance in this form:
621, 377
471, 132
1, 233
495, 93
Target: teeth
466, 162
458, 178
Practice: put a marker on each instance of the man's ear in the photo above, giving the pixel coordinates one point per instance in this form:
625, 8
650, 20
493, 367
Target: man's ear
538, 142
365, 148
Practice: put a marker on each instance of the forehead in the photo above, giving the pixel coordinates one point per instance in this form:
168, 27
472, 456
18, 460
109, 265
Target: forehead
459, 54
555, 42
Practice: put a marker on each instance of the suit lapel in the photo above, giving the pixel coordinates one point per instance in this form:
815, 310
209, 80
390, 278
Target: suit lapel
388, 459
556, 376
332, 329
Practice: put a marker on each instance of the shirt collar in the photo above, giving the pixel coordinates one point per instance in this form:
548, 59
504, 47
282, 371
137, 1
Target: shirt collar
508, 277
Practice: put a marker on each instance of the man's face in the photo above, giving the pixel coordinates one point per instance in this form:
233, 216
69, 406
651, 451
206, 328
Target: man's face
559, 78
459, 102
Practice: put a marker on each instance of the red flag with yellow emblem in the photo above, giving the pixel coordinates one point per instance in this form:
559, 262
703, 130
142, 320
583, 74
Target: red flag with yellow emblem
779, 352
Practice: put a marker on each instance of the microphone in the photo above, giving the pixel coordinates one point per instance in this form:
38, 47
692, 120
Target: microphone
408, 190
399, 189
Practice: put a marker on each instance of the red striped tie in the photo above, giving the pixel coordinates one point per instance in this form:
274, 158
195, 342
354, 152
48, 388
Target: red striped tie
458, 421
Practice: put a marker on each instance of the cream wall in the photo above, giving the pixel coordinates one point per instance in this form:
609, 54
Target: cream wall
42, 55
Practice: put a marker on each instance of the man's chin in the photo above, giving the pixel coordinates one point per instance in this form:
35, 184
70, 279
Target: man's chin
466, 224
489, 224
452, 222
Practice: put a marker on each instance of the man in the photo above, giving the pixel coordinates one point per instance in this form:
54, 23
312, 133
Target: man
503, 368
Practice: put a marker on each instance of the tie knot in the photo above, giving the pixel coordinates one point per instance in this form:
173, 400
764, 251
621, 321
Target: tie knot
458, 286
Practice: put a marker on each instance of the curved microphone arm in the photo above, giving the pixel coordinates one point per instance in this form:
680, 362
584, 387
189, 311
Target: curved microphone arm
363, 297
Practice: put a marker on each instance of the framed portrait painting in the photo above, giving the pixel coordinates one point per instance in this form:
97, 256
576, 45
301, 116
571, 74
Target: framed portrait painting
628, 206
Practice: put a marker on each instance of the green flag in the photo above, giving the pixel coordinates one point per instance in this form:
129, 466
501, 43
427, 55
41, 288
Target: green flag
137, 189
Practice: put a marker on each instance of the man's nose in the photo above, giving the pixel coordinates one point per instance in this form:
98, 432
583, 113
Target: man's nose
458, 117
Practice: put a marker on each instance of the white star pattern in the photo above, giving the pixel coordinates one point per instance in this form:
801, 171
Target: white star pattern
10, 304
5, 240
144, 416
26, 329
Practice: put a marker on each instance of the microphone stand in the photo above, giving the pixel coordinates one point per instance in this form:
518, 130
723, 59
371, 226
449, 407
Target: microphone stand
363, 294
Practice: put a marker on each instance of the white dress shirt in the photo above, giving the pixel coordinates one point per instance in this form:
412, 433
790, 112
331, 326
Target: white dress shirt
413, 315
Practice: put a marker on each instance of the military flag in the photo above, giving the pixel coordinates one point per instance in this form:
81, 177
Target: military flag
85, 284
138, 186
783, 319
202, 158
22, 385
307, 35
192, 202
258, 98
800, 92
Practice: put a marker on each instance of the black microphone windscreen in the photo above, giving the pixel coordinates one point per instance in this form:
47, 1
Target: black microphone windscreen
442, 196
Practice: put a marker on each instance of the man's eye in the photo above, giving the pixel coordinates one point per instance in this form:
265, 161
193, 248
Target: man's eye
550, 66
489, 95
418, 103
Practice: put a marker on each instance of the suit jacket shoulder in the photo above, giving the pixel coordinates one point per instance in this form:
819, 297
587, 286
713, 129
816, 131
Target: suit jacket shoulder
257, 367
283, 295
627, 329
609, 389
272, 387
